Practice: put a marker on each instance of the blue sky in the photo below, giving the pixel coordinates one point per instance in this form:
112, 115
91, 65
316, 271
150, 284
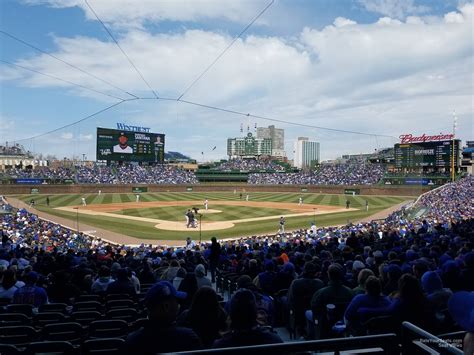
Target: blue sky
377, 66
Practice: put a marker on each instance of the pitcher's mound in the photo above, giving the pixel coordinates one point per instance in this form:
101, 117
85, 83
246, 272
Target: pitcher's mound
206, 226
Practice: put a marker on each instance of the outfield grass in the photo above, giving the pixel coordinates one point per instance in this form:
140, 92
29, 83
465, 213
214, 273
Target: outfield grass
146, 230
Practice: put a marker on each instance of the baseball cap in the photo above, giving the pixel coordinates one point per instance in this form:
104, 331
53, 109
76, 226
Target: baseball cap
358, 265
162, 291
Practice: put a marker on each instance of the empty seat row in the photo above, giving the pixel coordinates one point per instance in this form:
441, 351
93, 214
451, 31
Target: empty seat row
91, 346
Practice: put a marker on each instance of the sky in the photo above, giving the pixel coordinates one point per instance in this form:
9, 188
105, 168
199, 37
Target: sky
380, 67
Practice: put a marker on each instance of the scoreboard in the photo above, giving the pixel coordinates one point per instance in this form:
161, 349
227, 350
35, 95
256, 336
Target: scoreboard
118, 145
436, 154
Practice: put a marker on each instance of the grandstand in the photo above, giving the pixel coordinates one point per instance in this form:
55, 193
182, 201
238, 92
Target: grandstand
64, 292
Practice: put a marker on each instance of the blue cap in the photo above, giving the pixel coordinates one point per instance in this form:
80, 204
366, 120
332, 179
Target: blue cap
161, 291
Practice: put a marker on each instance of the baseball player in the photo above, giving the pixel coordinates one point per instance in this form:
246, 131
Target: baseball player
300, 201
206, 204
83, 199
137, 197
246, 197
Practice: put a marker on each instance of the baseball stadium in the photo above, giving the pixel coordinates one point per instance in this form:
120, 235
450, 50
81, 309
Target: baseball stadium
188, 182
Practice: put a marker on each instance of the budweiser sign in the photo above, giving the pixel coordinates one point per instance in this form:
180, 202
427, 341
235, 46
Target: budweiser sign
409, 138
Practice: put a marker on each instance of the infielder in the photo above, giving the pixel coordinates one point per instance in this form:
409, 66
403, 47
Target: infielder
246, 197
300, 201
206, 203
83, 201
137, 198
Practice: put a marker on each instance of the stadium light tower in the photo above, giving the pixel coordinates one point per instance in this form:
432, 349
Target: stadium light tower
455, 122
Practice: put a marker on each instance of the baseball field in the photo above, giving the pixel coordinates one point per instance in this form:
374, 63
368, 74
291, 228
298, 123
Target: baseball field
161, 216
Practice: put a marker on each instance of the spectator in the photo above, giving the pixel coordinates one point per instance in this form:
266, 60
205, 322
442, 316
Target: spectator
62, 290
161, 334
435, 293
214, 258
122, 285
335, 292
201, 278
30, 293
371, 299
245, 331
364, 274
301, 292
9, 284
205, 316
99, 286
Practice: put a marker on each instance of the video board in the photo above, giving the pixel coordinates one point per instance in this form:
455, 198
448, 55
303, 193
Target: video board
436, 154
119, 145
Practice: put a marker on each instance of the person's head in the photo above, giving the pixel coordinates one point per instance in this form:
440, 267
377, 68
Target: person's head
410, 289
200, 271
31, 278
243, 310
311, 270
123, 140
122, 275
364, 274
373, 286
431, 282
162, 302
244, 281
204, 306
213, 240
335, 272
104, 271
419, 268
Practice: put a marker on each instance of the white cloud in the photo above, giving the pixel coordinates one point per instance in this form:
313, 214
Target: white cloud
131, 13
67, 136
386, 77
394, 8
85, 137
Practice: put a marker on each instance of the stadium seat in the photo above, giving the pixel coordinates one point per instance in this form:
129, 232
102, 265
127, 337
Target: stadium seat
85, 317
123, 303
103, 346
53, 307
108, 328
127, 314
44, 318
382, 325
88, 298
6, 349
117, 296
50, 347
12, 319
140, 322
88, 306
26, 309
72, 332
18, 335
145, 287
4, 301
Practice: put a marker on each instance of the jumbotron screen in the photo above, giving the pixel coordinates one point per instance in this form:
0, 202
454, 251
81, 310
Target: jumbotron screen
117, 145
426, 154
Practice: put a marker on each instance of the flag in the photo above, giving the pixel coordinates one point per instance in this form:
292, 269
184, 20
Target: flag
214, 147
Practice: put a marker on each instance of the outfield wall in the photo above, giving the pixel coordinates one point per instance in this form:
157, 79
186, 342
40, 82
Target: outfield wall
328, 189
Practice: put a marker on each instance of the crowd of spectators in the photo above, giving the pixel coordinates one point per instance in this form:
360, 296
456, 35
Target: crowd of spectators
59, 173
400, 268
249, 165
352, 172
160, 174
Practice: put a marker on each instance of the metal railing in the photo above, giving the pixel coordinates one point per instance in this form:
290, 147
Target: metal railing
418, 341
387, 342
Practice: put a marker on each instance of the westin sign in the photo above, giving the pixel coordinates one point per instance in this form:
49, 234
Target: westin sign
124, 127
